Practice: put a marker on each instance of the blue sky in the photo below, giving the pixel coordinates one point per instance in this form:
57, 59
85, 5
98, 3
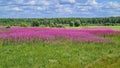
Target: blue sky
58, 8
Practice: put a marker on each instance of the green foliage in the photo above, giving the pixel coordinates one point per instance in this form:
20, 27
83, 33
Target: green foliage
60, 26
47, 21
8, 26
84, 24
23, 25
109, 24
52, 25
35, 24
71, 23
77, 23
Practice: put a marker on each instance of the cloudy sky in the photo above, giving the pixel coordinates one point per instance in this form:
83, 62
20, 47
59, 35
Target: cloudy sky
58, 8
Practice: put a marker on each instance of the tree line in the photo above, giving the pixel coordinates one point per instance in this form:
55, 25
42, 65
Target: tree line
60, 22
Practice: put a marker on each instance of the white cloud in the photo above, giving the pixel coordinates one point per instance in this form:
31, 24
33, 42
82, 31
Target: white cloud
70, 1
17, 9
13, 8
92, 2
41, 8
32, 2
84, 8
112, 5
64, 9
62, 6
69, 10
20, 1
45, 2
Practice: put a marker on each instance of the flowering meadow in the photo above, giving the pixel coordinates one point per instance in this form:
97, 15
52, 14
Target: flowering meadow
38, 47
36, 34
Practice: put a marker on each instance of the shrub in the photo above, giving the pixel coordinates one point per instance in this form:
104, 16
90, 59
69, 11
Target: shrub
8, 26
60, 25
71, 24
108, 24
84, 24
77, 23
35, 23
23, 25
52, 25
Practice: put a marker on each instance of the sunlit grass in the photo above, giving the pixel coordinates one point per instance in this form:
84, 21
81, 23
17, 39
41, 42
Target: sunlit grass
64, 54
112, 27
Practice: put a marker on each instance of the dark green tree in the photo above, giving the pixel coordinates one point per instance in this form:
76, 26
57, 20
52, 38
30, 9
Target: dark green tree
77, 23
35, 24
71, 23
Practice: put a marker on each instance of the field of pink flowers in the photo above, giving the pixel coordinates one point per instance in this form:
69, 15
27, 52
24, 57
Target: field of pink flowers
36, 47
36, 34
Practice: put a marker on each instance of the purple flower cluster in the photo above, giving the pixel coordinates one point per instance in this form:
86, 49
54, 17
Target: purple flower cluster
101, 31
57, 33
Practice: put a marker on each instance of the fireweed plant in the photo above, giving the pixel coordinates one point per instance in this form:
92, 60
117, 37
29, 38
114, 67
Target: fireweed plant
33, 35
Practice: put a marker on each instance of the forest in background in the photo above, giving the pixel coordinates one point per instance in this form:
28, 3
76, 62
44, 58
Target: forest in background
60, 22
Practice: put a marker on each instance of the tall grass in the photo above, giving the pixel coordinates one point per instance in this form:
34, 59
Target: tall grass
68, 48
34, 35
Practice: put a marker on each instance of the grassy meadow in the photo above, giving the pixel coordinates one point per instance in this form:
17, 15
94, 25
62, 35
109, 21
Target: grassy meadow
111, 27
60, 53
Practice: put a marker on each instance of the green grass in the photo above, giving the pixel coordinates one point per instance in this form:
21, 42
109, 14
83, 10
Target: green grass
112, 27
107, 62
65, 55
